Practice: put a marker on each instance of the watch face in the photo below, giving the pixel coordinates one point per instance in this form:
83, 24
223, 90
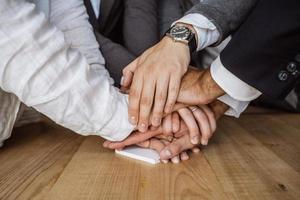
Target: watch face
180, 32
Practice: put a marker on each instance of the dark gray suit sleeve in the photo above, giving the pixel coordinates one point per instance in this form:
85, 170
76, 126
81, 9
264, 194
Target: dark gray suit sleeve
116, 57
226, 15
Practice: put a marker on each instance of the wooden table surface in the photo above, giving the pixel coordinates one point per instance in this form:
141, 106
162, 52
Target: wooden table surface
254, 157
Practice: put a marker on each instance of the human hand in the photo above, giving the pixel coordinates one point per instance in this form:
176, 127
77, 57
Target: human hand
155, 79
182, 141
170, 124
206, 120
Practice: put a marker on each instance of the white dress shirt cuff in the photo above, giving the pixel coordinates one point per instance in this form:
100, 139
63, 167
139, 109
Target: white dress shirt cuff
206, 32
236, 107
231, 84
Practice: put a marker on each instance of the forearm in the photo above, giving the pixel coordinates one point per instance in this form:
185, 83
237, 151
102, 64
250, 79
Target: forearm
38, 66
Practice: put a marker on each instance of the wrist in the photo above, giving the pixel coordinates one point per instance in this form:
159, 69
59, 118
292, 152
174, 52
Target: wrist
179, 51
218, 108
211, 90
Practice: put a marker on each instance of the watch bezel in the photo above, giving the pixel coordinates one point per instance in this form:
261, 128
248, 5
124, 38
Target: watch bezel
177, 38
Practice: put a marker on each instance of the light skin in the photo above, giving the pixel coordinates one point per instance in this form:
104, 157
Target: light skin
197, 88
159, 79
155, 79
175, 150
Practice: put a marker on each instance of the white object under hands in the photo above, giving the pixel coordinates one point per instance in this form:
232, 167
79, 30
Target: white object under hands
142, 154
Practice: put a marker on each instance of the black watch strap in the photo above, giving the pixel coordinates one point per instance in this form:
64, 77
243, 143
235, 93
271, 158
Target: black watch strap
192, 43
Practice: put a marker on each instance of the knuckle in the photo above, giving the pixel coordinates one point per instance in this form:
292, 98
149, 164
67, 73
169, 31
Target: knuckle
145, 101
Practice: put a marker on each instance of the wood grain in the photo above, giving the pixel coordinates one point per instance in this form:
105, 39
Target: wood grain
254, 157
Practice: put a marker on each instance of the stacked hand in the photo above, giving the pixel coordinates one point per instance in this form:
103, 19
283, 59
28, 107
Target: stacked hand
174, 146
163, 92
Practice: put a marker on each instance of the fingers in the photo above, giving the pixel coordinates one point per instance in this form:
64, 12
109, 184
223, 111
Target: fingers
167, 125
154, 144
175, 159
134, 99
183, 130
134, 138
204, 124
174, 86
175, 122
146, 105
195, 150
190, 121
211, 117
184, 156
176, 147
160, 101
128, 72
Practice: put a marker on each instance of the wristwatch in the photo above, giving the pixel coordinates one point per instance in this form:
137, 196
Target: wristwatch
184, 35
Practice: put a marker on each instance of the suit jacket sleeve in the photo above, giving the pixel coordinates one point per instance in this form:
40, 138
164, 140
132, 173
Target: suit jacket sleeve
226, 15
265, 51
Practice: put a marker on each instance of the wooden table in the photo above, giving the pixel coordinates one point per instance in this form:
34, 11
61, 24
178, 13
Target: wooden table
254, 157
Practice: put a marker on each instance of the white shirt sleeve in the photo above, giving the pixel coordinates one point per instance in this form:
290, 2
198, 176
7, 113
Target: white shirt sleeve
43, 71
206, 31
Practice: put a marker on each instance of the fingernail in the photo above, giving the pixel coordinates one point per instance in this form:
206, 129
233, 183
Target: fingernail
132, 120
166, 153
195, 140
142, 128
165, 161
176, 160
204, 142
185, 157
122, 80
196, 150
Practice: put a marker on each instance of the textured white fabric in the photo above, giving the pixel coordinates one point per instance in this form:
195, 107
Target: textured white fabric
39, 66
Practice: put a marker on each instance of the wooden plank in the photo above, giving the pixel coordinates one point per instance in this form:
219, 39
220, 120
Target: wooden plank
32, 160
97, 173
247, 169
277, 135
255, 157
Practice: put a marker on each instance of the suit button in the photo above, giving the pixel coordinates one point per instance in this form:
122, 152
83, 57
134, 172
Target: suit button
292, 67
297, 58
283, 75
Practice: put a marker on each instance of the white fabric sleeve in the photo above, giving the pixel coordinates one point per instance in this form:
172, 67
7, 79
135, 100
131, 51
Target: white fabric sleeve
40, 68
236, 108
206, 31
232, 85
